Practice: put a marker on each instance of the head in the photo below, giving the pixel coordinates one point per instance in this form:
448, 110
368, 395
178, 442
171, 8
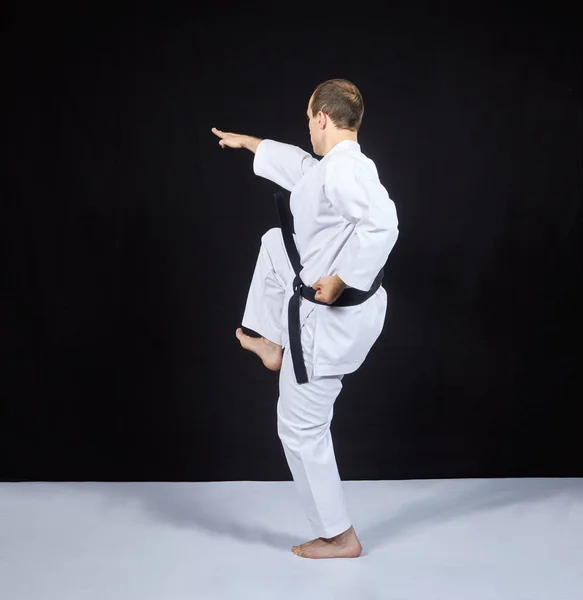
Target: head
334, 113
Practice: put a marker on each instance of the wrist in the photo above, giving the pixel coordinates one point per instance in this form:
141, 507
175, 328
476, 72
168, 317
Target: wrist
251, 143
341, 283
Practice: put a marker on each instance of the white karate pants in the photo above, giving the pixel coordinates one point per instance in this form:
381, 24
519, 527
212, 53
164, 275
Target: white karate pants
304, 412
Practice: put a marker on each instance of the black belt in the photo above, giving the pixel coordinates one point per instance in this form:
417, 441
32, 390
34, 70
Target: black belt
349, 297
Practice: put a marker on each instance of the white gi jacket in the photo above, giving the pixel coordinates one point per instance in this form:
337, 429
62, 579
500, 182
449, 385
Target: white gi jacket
345, 224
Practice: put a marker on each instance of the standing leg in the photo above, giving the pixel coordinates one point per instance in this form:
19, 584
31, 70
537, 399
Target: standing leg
304, 415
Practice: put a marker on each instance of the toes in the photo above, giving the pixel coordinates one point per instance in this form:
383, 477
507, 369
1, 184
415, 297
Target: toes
307, 550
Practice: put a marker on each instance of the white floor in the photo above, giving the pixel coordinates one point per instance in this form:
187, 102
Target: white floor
474, 539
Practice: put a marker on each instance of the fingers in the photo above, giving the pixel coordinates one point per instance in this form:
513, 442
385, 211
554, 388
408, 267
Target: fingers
323, 296
220, 134
318, 295
228, 140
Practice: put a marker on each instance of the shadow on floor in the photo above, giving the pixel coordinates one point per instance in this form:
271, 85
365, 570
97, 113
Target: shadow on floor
182, 505
482, 495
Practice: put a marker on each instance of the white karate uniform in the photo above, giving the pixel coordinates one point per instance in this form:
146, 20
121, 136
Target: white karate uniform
345, 224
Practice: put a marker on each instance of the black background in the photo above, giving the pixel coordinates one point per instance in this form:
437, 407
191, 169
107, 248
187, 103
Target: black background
129, 239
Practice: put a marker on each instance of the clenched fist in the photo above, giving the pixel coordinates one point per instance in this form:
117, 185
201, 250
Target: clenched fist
328, 289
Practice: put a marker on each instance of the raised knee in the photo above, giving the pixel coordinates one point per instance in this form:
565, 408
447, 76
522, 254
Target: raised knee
271, 235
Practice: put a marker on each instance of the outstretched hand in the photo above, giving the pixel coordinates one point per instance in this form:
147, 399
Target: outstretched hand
328, 289
229, 140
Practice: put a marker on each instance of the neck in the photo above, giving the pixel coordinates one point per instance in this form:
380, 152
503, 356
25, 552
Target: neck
340, 135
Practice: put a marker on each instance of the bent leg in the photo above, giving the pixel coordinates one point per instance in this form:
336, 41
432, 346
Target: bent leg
265, 300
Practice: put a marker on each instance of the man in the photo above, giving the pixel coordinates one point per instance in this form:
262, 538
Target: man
345, 226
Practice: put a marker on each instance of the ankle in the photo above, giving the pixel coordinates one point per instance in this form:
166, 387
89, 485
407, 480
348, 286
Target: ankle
345, 535
271, 344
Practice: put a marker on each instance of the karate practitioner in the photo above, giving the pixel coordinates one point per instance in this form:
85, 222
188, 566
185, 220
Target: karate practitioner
344, 227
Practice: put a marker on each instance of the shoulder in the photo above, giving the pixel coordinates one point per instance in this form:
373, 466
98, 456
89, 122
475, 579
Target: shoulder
349, 166
339, 166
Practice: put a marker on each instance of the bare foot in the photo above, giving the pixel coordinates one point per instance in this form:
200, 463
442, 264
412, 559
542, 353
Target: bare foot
345, 545
269, 352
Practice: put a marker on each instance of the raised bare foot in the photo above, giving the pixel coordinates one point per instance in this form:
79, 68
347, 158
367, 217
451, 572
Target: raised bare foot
269, 352
345, 545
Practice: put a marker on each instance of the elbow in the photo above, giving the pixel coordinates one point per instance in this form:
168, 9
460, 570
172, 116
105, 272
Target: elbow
389, 234
393, 234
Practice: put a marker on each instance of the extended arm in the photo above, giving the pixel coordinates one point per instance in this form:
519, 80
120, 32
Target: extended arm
283, 164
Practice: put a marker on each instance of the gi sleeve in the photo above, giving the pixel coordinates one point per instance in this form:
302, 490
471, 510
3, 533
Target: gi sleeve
283, 164
361, 199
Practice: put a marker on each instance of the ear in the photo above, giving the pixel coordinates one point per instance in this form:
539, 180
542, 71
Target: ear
322, 119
